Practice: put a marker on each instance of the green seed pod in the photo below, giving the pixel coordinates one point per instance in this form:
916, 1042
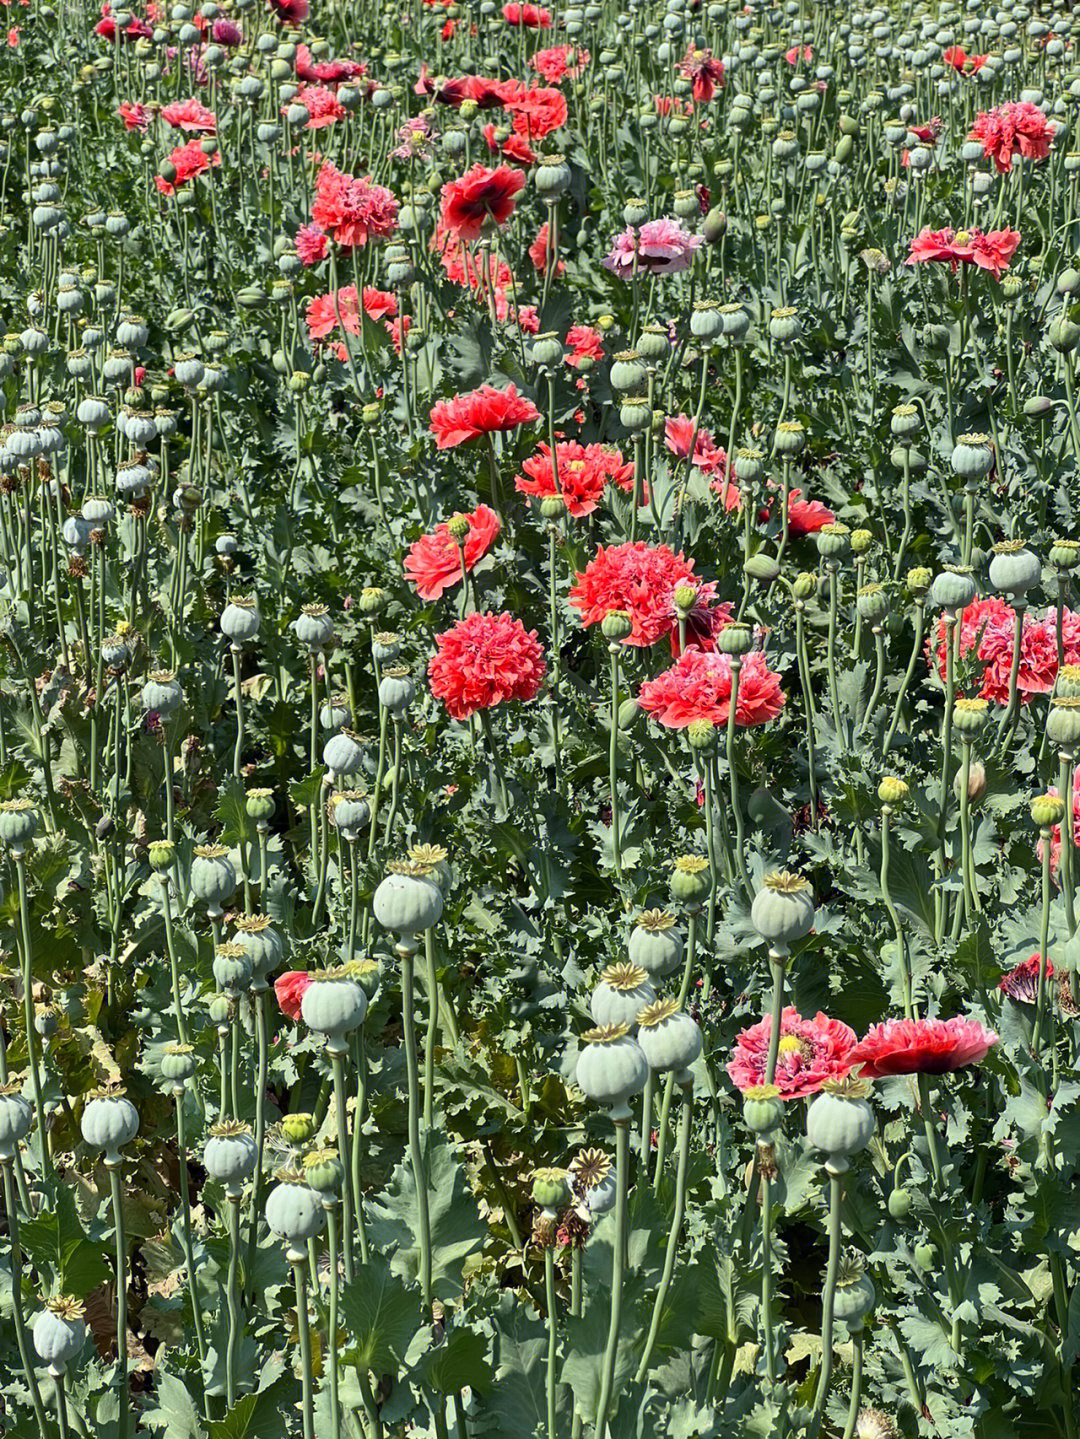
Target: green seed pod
919, 580
840, 1121
109, 1122
624, 990
616, 626
59, 1333
690, 880
550, 1188
969, 716
854, 1296
861, 541
804, 586
906, 422
926, 1256
1063, 334
294, 1214
298, 1128
833, 541
232, 969
655, 943
611, 1068
790, 439
213, 879
762, 567
230, 1155
18, 821
701, 736
669, 1038
973, 457
408, 901
953, 589
178, 1064
783, 909
1065, 554
16, 1119
892, 791
1047, 810
259, 805
1014, 569
872, 603
735, 639
763, 1111
323, 1172
1063, 722
334, 1006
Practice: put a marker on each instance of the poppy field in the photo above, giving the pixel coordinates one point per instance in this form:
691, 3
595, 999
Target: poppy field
539, 709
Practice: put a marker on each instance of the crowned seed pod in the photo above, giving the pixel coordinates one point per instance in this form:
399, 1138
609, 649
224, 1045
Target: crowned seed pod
259, 806
323, 1173
873, 1424
212, 879
690, 881
854, 1296
350, 812
110, 1121
1047, 810
16, 1119
1068, 682
333, 1005
736, 323
294, 1213
840, 1121
953, 588
1014, 569
833, 541
436, 858
635, 414
1063, 722
655, 943
749, 469
1065, 555
116, 653
550, 1189
624, 990
789, 440
783, 909
906, 422
314, 627
701, 736
298, 1129
18, 822
97, 511
593, 1179
373, 600
396, 689
969, 716
335, 713
343, 753
762, 1110
230, 1156
736, 640
178, 1064
240, 621
232, 969
654, 344
706, 322
611, 1068
408, 900
59, 1333
804, 586
161, 694
670, 1039
785, 325
872, 603
628, 372
892, 791
551, 178
973, 457
616, 626
264, 945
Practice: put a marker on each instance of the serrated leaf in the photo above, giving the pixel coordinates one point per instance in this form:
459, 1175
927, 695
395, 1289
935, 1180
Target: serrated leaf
381, 1316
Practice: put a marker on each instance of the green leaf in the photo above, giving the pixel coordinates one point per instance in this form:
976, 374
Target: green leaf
517, 1405
257, 1416
56, 1241
176, 1412
460, 1360
381, 1315
455, 1225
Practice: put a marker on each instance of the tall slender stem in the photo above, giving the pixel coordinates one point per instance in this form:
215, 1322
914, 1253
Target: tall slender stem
607, 1373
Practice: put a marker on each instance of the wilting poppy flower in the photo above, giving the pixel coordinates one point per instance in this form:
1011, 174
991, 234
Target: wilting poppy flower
706, 72
433, 564
1022, 982
811, 1051
485, 660
481, 412
921, 1046
961, 62
660, 247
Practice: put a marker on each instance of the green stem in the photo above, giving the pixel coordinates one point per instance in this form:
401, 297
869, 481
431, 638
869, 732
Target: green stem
674, 1232
607, 1373
232, 1295
337, 1065
117, 1195
552, 1337
300, 1278
836, 1190
416, 1157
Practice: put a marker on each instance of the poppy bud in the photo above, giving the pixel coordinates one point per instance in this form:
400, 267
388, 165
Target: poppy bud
762, 567
892, 791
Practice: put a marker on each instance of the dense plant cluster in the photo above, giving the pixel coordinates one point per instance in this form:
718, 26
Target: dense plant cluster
539, 700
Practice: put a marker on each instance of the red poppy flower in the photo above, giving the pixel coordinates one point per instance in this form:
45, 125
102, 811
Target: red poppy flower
324, 315
560, 60
584, 343
639, 579
811, 1051
311, 244
988, 627
433, 564
991, 251
326, 72
534, 17
1019, 128
709, 457
289, 989
190, 115
352, 210
921, 1046
134, 115
538, 251
322, 104
485, 660
537, 112
513, 147
961, 62
481, 412
706, 72
189, 160
480, 196
698, 686
290, 12
584, 473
